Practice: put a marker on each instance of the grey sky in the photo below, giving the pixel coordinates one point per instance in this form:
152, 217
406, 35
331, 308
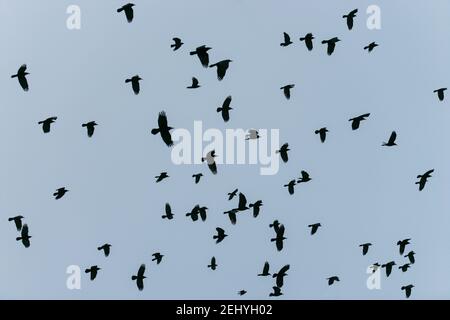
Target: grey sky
360, 192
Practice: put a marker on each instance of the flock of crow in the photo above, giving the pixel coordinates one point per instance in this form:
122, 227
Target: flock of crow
163, 130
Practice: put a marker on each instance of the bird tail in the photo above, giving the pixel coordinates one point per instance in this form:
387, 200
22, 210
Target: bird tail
155, 131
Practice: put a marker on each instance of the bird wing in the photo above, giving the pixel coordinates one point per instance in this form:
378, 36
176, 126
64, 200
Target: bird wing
225, 115
355, 123
90, 131
162, 120
232, 216
23, 82
24, 232
305, 175
194, 82
136, 87
129, 13
280, 231
212, 166
284, 269
168, 208
287, 38
266, 267
392, 137
22, 69
279, 244
18, 223
330, 48
287, 92
141, 271
227, 102
309, 44
204, 58
242, 200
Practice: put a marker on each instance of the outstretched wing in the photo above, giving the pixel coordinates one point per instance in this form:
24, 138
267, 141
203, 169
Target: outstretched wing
392, 137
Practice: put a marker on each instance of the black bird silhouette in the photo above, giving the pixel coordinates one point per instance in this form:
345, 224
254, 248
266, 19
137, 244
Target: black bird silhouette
220, 235
287, 40
391, 141
197, 177
231, 195
194, 84
60, 193
276, 292
365, 248
349, 17
275, 225
232, 215
242, 292
93, 270
202, 53
304, 178
405, 267
194, 213
314, 227
322, 132
106, 249
402, 244
279, 238
388, 267
370, 46
356, 121
128, 9
265, 271
408, 289
135, 83
424, 178
290, 186
24, 237
46, 124
213, 264
410, 256
210, 161
222, 67
280, 276
308, 41
169, 214
161, 177
332, 280
225, 109
202, 213
17, 221
287, 90
284, 152
256, 207
331, 44
157, 257
140, 277
163, 129
242, 206
177, 44
440, 93
90, 126
21, 76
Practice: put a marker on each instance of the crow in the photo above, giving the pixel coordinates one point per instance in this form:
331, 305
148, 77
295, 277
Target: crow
242, 206
213, 264
169, 214
402, 244
106, 249
220, 235
256, 207
322, 132
290, 186
331, 44
225, 109
287, 40
276, 292
265, 271
391, 141
357, 120
128, 9
222, 67
365, 248
304, 178
280, 276
60, 193
388, 267
231, 195
440, 93
197, 177
177, 44
279, 238
232, 215
202, 212
405, 267
163, 129
314, 227
408, 289
410, 256
93, 271
287, 90
135, 83
349, 17
242, 292
90, 126
17, 221
332, 279
140, 277
194, 213
46, 124
424, 178
284, 152
157, 257
202, 53
161, 177
194, 84
210, 161
370, 46
21, 76
24, 237
308, 41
